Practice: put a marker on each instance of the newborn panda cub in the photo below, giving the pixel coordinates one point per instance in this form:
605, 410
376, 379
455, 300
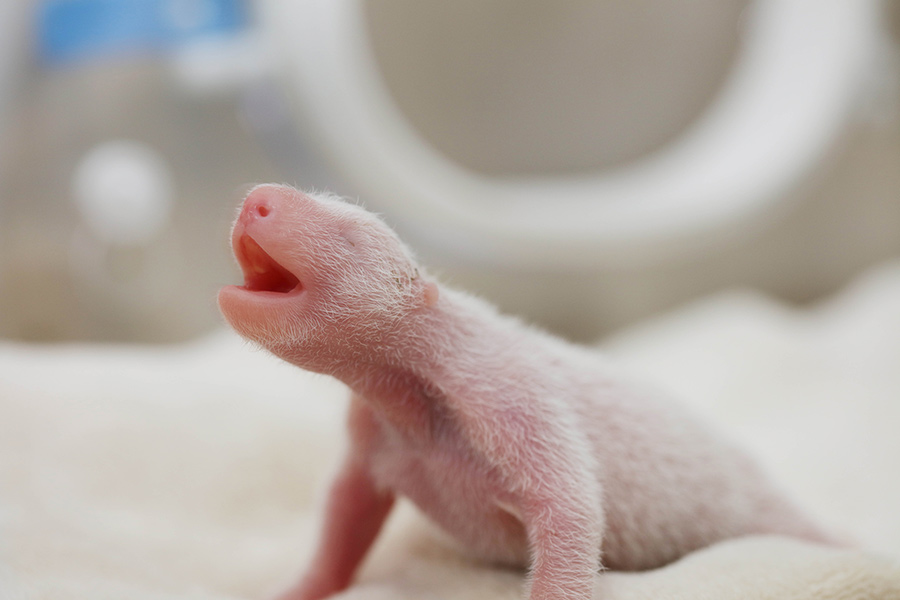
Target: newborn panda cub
528, 450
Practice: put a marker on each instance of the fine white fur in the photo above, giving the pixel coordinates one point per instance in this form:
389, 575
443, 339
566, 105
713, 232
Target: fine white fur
475, 416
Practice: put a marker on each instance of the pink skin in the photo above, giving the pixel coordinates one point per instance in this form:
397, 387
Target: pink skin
528, 450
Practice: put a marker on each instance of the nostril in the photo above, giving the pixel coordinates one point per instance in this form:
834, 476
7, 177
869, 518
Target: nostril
262, 210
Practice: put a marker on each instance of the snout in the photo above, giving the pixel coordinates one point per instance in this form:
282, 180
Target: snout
264, 202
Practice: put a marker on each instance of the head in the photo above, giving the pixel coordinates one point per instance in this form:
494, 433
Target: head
322, 277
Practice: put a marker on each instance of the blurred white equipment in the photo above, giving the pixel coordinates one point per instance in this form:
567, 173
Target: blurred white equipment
124, 192
787, 96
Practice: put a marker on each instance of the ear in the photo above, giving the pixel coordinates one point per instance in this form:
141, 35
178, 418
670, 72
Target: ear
430, 294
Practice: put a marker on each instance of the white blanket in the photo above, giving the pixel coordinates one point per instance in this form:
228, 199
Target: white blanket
192, 472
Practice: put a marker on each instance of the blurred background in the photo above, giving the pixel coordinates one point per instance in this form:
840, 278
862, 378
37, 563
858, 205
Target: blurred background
583, 164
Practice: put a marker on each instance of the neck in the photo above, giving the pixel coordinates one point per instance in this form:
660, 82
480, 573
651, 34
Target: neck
430, 354
408, 376
427, 345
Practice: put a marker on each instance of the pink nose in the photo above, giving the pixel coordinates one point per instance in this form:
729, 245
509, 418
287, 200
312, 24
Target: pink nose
257, 206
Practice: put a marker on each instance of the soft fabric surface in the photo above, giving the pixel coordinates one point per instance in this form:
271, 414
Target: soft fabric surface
193, 472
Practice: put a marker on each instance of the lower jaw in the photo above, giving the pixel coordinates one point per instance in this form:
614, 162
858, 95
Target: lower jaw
246, 309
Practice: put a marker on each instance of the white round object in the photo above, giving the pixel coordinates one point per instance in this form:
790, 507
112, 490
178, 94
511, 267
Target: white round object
124, 190
793, 85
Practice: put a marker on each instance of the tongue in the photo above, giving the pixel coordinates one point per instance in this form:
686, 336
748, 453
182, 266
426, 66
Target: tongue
261, 272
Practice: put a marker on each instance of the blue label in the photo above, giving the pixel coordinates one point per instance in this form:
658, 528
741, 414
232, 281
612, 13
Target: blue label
73, 30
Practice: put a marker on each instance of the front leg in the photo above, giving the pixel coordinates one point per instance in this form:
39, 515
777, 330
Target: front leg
565, 538
354, 514
549, 472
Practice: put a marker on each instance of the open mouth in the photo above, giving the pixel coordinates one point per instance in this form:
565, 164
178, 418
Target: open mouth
261, 272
